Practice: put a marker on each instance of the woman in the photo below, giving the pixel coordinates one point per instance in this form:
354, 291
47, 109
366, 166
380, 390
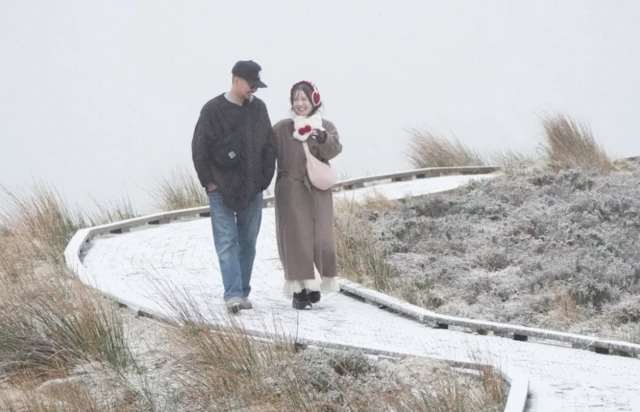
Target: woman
304, 214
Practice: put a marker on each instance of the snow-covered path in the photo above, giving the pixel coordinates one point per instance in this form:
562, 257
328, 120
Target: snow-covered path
182, 253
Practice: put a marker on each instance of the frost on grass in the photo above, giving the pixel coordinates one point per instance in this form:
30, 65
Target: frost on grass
558, 251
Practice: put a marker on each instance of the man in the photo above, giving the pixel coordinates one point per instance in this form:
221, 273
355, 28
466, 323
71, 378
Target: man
234, 154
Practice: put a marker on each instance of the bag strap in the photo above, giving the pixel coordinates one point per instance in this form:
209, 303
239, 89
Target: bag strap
307, 153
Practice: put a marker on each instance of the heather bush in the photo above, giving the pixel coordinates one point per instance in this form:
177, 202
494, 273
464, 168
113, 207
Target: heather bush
542, 250
352, 363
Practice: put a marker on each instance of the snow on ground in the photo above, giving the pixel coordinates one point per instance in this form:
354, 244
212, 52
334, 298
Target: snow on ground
413, 188
133, 266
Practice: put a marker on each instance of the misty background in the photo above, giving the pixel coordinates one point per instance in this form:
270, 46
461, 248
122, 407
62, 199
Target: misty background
101, 98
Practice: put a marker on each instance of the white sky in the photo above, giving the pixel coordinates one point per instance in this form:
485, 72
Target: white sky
100, 97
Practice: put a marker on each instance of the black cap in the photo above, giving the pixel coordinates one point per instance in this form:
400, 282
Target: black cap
250, 71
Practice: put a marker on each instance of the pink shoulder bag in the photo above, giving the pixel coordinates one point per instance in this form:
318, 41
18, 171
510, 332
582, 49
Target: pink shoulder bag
321, 175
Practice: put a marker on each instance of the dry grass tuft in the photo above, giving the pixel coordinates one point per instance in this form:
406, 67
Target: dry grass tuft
570, 145
178, 190
67, 398
564, 310
374, 203
427, 149
78, 393
512, 162
567, 144
229, 368
50, 322
360, 256
109, 212
495, 389
41, 219
14, 259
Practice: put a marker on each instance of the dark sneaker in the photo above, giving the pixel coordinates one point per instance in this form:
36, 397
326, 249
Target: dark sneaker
301, 300
234, 305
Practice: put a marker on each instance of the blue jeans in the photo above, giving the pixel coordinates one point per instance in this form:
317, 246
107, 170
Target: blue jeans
234, 236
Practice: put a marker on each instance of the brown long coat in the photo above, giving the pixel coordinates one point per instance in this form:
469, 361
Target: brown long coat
304, 214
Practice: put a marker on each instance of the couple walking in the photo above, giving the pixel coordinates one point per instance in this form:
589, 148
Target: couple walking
235, 149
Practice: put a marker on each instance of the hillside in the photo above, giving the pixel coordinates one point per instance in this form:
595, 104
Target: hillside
549, 250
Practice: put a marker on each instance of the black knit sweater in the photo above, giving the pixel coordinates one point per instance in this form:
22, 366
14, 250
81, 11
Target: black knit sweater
220, 117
